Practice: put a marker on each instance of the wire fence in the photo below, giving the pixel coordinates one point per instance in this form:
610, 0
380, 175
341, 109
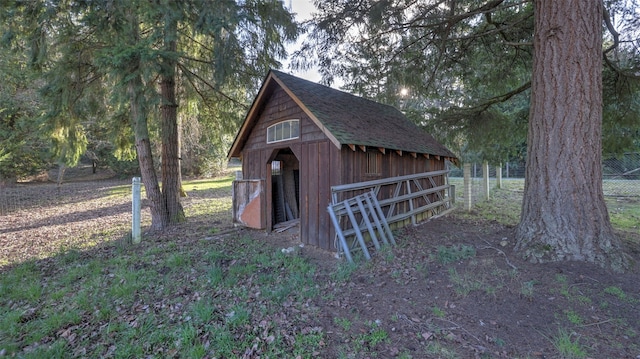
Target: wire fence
20, 197
621, 178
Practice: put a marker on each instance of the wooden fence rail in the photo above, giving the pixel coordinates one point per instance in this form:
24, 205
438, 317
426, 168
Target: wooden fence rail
402, 200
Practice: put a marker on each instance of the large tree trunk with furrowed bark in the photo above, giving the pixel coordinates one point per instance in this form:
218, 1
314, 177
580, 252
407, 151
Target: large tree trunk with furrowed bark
564, 215
169, 120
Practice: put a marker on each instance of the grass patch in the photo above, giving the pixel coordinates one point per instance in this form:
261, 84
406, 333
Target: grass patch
568, 345
160, 300
344, 271
620, 294
464, 283
526, 289
504, 205
208, 184
454, 253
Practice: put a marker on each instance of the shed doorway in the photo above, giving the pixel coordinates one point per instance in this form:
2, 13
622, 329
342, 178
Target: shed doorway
285, 187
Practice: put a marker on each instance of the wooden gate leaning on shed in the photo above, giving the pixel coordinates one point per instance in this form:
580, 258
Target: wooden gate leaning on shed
404, 200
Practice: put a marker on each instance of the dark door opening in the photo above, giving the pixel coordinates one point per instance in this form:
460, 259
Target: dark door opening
285, 187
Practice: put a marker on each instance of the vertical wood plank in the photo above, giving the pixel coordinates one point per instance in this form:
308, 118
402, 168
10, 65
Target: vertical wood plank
324, 194
304, 193
313, 180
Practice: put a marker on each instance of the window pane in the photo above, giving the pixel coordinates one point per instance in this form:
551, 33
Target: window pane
271, 134
286, 130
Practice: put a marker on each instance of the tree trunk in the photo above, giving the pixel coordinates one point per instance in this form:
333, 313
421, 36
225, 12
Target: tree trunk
169, 125
564, 215
138, 110
159, 213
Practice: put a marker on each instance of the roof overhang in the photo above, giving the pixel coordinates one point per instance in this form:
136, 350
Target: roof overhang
259, 102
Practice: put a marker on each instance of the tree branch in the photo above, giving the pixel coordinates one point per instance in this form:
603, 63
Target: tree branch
212, 87
501, 98
612, 30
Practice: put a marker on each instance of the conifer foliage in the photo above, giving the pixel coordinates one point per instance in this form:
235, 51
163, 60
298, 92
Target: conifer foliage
144, 67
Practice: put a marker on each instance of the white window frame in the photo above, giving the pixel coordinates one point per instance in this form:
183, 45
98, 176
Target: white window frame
282, 131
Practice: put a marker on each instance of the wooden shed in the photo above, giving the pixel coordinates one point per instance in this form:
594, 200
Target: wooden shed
300, 138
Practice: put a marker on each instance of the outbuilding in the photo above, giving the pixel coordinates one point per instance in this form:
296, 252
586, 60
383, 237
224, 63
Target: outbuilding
300, 138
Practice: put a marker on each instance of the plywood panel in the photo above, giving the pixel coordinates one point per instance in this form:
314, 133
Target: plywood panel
248, 203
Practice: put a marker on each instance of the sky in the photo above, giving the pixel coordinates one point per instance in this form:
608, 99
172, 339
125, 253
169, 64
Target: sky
303, 10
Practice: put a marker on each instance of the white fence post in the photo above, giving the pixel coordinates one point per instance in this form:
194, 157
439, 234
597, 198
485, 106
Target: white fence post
485, 177
499, 176
135, 210
468, 201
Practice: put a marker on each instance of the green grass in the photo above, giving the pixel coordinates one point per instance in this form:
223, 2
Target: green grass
344, 323
464, 283
439, 313
568, 345
505, 203
219, 298
526, 289
187, 299
208, 184
188, 186
624, 215
454, 253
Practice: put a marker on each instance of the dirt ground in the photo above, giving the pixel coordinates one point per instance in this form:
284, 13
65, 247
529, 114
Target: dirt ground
491, 304
451, 288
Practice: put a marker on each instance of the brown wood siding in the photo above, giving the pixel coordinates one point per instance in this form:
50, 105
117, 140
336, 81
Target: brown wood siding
318, 172
281, 107
321, 165
392, 165
324, 194
319, 161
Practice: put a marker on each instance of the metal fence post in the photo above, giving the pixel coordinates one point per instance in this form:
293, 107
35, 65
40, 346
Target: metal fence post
135, 210
468, 201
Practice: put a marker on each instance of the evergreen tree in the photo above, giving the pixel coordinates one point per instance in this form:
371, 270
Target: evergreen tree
468, 65
133, 60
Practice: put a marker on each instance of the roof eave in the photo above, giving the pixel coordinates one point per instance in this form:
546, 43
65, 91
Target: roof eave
309, 113
238, 142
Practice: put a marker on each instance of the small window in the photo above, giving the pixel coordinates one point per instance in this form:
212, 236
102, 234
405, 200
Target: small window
276, 168
282, 131
373, 163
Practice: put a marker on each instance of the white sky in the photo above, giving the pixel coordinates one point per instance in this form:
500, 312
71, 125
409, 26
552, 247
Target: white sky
303, 10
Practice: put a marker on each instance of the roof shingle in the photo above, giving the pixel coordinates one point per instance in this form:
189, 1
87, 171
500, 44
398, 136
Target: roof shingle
359, 121
349, 119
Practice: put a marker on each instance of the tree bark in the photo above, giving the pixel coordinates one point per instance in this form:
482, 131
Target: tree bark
138, 112
159, 213
564, 215
169, 125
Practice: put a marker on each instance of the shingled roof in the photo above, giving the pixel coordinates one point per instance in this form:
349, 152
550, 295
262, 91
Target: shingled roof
346, 119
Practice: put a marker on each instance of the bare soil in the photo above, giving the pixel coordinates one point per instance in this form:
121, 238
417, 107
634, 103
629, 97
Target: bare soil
491, 305
451, 288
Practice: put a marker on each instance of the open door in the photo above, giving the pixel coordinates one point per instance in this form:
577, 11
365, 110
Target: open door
284, 187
